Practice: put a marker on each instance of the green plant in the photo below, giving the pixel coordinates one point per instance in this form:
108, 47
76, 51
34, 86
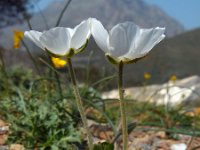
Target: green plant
36, 119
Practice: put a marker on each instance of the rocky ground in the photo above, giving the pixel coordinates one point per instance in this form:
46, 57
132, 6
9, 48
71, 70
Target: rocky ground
145, 138
4, 133
141, 138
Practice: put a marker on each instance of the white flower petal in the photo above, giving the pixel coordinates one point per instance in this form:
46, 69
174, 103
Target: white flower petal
71, 31
34, 36
56, 40
81, 34
156, 35
146, 40
126, 41
121, 38
100, 34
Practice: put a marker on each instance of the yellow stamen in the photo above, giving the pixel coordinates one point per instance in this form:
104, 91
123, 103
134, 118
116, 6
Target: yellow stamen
58, 63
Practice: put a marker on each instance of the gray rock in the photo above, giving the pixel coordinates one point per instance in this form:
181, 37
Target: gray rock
185, 91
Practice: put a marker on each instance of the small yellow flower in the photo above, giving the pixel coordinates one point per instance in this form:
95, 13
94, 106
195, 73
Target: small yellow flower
17, 37
173, 78
147, 76
58, 63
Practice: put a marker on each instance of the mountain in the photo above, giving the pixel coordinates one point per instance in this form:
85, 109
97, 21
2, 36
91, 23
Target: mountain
110, 12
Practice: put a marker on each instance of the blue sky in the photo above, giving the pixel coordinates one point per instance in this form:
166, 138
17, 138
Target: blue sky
43, 3
187, 12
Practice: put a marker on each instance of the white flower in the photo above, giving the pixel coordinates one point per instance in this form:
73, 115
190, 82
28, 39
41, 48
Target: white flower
180, 146
62, 41
126, 41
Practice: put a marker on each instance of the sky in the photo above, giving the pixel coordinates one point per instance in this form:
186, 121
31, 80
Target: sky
43, 3
187, 12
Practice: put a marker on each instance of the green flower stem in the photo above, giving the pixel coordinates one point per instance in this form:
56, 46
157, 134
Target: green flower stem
62, 13
122, 105
56, 76
3, 65
27, 19
3, 68
31, 57
79, 103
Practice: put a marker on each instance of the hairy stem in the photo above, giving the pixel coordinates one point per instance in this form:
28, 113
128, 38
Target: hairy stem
122, 105
57, 77
3, 65
31, 57
79, 103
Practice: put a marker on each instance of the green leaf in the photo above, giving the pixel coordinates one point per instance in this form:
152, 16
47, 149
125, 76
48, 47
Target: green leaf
54, 147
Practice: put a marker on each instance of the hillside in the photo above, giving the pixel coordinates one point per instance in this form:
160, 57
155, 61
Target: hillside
178, 55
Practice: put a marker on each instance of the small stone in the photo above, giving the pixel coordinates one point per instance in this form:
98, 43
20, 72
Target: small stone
3, 147
16, 147
180, 146
161, 134
3, 139
2, 123
4, 129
